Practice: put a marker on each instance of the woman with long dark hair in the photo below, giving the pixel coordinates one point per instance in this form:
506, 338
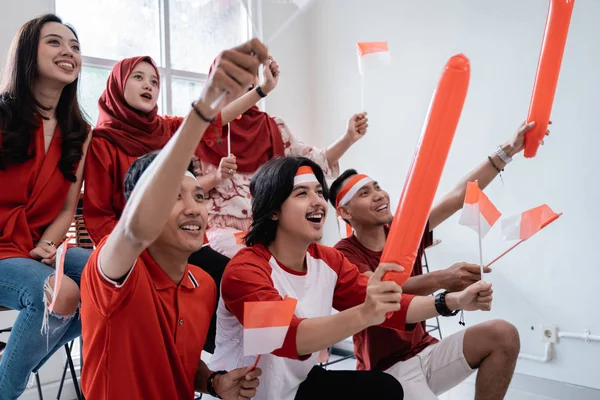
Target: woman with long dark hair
43, 141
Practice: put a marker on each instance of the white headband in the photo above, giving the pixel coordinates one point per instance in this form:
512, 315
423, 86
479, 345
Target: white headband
305, 174
356, 186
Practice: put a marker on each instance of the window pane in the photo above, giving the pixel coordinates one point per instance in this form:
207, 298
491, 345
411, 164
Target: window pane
201, 29
92, 84
114, 29
183, 93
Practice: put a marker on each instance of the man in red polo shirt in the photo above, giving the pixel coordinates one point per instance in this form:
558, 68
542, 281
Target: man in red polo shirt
145, 311
427, 368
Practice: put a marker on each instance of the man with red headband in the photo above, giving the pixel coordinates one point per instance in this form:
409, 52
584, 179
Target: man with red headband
283, 258
427, 368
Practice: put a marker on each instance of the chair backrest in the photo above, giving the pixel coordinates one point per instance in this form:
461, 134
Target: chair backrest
78, 229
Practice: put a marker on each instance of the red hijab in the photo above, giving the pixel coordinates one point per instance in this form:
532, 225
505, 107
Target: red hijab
255, 139
134, 132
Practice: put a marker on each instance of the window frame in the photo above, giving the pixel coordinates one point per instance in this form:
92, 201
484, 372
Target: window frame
168, 74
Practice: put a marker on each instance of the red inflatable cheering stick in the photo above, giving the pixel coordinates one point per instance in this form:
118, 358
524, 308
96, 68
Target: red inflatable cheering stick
546, 77
426, 169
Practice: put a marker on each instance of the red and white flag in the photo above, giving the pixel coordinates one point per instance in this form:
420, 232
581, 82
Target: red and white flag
61, 253
478, 212
523, 226
526, 224
372, 55
265, 325
344, 229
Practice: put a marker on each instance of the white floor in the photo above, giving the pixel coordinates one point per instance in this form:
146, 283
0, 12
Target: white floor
466, 390
523, 387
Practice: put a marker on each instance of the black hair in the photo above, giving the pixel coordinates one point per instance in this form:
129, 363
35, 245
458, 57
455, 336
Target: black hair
19, 108
270, 187
137, 169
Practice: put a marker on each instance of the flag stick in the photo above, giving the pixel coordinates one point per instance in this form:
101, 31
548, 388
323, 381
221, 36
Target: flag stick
480, 248
218, 100
229, 143
362, 92
256, 362
285, 25
503, 254
521, 241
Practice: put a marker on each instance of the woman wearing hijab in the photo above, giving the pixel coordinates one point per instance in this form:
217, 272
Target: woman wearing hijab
255, 137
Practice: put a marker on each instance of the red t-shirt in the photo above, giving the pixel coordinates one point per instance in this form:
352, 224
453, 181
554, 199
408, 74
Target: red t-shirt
378, 348
142, 339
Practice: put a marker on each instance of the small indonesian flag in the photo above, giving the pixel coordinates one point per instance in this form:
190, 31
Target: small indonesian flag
265, 325
239, 237
345, 230
61, 253
372, 55
478, 212
524, 225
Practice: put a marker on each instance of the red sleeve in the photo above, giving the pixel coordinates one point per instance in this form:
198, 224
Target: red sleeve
247, 278
105, 295
214, 131
173, 122
351, 291
98, 211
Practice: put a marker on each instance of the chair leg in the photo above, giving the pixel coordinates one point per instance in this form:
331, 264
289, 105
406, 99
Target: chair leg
437, 320
73, 374
39, 386
64, 375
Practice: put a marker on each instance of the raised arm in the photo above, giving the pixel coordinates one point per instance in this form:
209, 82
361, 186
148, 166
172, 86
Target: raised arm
484, 174
148, 208
243, 103
357, 128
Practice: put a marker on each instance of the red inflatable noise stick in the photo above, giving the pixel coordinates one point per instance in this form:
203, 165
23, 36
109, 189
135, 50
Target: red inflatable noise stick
548, 69
428, 163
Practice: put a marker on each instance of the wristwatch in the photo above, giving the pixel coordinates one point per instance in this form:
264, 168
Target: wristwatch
503, 156
441, 307
48, 242
210, 388
260, 92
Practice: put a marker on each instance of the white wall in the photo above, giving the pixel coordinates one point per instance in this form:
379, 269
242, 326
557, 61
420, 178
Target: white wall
292, 100
13, 15
552, 278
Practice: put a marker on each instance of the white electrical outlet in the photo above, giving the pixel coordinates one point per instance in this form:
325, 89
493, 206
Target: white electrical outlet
549, 333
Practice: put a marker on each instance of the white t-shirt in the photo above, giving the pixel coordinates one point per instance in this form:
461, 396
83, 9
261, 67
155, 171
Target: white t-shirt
329, 281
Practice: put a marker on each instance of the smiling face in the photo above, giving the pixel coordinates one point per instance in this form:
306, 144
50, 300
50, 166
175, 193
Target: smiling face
58, 56
184, 230
302, 214
370, 206
142, 87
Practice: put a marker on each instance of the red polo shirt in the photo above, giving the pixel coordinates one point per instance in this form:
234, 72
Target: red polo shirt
142, 339
378, 348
